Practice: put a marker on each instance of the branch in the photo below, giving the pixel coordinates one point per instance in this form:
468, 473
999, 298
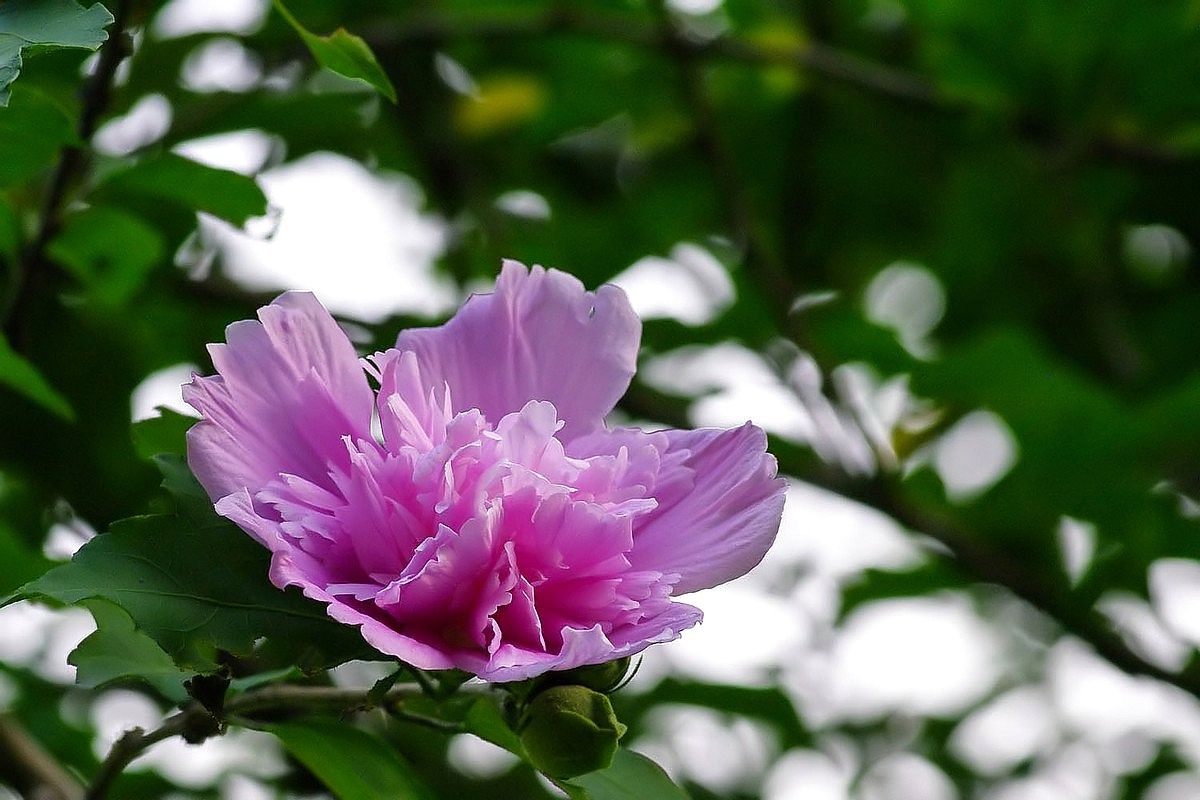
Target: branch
72, 161
817, 59
821, 60
970, 553
132, 744
32, 769
266, 701
989, 564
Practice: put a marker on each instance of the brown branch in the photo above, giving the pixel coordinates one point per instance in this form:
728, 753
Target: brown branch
33, 771
266, 701
131, 745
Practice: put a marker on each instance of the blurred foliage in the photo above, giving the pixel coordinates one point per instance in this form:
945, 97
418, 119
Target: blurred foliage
1037, 159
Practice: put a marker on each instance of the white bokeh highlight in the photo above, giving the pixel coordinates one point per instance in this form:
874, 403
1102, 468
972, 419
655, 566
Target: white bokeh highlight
184, 17
360, 240
690, 286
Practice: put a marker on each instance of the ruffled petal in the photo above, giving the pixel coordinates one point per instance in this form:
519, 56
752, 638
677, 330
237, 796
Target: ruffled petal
581, 647
719, 509
290, 568
540, 336
289, 388
411, 412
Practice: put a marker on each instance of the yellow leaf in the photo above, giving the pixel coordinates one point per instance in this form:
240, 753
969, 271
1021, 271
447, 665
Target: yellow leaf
502, 103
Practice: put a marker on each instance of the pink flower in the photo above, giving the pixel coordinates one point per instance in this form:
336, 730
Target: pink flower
496, 525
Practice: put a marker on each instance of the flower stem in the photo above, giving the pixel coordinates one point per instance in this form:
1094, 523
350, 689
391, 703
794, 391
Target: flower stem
260, 701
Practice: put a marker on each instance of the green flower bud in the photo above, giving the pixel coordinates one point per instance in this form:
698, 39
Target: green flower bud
602, 677
569, 731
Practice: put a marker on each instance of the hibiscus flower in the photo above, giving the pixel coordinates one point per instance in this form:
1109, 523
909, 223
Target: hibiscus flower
459, 497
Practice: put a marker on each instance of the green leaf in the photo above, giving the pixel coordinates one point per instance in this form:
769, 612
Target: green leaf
193, 582
632, 776
33, 131
164, 434
264, 678
928, 577
344, 53
110, 251
485, 721
46, 24
766, 703
354, 764
21, 376
119, 651
223, 193
10, 64
384, 685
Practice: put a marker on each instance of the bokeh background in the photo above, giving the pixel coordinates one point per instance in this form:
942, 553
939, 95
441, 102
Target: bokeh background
942, 251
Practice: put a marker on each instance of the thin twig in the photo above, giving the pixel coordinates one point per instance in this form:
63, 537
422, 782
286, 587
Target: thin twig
268, 700
30, 768
132, 744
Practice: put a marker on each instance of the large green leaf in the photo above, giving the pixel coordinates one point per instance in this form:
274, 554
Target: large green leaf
119, 651
632, 776
18, 374
193, 582
46, 24
344, 53
354, 764
110, 251
223, 193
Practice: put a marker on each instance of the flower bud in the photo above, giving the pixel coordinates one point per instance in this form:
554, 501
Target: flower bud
569, 731
604, 677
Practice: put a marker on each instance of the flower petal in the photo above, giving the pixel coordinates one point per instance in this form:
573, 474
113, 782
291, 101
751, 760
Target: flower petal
540, 336
291, 566
288, 568
290, 388
716, 523
589, 646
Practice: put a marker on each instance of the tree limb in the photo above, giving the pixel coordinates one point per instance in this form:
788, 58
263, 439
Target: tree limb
33, 771
265, 701
972, 555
